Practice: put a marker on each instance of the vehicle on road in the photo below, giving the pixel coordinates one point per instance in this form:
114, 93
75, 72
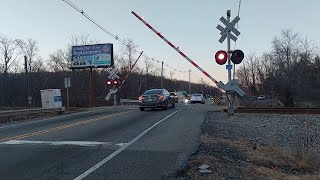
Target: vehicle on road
254, 98
262, 97
175, 97
156, 98
197, 98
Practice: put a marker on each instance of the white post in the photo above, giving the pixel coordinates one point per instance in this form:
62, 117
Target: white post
68, 98
114, 97
229, 49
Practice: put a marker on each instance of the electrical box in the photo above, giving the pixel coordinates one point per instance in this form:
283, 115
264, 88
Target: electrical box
51, 98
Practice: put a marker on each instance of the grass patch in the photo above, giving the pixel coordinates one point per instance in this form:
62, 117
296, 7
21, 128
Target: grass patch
229, 159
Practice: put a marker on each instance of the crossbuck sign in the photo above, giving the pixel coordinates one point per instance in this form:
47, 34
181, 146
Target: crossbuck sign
229, 28
113, 74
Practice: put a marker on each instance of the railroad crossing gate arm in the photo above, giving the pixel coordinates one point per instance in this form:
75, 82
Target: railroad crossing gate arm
230, 87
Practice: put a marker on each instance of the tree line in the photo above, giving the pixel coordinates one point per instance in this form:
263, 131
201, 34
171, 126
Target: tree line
50, 73
290, 71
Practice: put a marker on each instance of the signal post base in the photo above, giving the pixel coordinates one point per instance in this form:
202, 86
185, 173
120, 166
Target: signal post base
230, 111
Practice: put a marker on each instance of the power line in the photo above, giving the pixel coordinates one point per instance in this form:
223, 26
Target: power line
195, 75
116, 37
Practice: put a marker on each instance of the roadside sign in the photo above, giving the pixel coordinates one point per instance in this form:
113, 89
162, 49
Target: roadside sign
67, 82
229, 66
216, 99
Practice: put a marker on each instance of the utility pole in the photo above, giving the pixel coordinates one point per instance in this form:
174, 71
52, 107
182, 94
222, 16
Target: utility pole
189, 82
29, 99
162, 74
202, 86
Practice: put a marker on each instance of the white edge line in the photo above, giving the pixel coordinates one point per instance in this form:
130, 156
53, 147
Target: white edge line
99, 164
52, 118
60, 143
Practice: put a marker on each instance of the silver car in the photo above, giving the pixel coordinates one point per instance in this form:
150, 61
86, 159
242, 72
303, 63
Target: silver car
197, 98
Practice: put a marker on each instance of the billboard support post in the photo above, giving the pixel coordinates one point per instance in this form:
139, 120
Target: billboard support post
91, 88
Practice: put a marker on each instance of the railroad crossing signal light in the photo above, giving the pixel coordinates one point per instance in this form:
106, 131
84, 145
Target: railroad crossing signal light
221, 57
237, 56
109, 82
116, 82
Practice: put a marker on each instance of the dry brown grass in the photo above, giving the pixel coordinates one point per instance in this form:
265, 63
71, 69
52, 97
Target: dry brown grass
265, 162
284, 159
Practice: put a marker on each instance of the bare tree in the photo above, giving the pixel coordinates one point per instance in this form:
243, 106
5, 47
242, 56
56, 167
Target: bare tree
171, 75
30, 49
286, 49
129, 50
82, 39
9, 53
58, 61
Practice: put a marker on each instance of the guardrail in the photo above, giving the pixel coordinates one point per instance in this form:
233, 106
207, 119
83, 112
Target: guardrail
128, 102
25, 112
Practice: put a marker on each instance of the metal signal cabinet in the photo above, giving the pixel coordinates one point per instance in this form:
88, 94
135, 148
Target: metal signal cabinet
51, 98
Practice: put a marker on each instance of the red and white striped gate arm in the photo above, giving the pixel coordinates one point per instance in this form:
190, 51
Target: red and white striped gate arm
175, 48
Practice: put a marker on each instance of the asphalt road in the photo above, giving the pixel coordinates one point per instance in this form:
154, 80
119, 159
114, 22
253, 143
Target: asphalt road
110, 143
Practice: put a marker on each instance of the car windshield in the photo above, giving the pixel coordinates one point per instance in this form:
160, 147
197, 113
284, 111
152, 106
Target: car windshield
150, 92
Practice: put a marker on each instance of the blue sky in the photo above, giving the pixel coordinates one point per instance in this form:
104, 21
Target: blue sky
189, 24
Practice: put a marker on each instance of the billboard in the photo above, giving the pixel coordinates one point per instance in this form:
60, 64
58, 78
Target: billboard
96, 55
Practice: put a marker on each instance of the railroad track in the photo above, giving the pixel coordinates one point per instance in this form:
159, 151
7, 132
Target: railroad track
282, 110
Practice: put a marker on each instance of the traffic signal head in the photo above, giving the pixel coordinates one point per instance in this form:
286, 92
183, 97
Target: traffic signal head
237, 56
221, 57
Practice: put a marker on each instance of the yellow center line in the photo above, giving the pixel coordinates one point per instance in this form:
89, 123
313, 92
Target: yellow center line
45, 131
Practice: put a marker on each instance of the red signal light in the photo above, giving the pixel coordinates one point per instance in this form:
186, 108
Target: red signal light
115, 82
221, 57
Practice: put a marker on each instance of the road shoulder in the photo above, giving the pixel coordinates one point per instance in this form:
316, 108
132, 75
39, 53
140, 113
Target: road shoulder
256, 146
